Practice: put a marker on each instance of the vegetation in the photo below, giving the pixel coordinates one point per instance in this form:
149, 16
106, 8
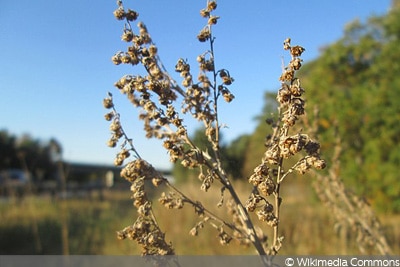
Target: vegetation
37, 157
352, 92
35, 225
158, 97
356, 86
232, 155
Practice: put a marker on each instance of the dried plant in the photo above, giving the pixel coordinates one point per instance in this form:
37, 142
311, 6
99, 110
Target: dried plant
158, 95
352, 213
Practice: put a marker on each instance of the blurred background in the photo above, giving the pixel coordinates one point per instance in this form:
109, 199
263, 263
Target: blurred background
60, 193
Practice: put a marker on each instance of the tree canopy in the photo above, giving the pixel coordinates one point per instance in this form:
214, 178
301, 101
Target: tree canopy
29, 154
355, 83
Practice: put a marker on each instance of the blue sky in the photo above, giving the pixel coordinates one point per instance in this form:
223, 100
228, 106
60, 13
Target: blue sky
55, 65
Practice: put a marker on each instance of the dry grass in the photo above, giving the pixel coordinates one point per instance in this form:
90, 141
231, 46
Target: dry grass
307, 226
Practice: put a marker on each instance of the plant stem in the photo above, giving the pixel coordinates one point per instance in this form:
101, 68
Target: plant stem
279, 179
251, 233
199, 205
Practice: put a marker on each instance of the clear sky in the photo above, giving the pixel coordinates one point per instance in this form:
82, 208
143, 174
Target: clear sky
55, 65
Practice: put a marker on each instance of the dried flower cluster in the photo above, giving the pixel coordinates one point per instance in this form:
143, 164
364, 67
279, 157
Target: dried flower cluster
145, 229
161, 118
157, 94
282, 145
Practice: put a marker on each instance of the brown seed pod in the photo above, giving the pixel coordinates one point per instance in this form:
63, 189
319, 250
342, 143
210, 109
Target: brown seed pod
131, 15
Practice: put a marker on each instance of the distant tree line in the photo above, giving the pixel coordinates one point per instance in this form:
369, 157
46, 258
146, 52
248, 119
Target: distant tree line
356, 83
35, 156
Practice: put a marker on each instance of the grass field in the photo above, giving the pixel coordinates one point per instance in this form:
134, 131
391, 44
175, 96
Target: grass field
87, 225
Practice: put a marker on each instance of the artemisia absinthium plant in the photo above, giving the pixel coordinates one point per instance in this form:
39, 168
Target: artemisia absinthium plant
282, 145
157, 96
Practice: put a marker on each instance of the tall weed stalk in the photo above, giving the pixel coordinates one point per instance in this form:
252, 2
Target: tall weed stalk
162, 103
352, 213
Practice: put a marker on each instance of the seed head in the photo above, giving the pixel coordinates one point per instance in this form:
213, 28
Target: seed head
116, 59
286, 44
319, 164
126, 58
296, 51
213, 20
131, 15
205, 13
152, 50
119, 13
108, 102
267, 187
228, 96
212, 5
224, 238
287, 75
115, 125
295, 88
127, 35
194, 231
296, 63
112, 142
109, 116
204, 34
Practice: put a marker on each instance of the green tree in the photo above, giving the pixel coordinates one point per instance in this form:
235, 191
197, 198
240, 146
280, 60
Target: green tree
8, 155
356, 84
33, 155
234, 154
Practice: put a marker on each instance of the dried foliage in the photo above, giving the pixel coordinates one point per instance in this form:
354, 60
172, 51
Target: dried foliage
282, 145
158, 97
352, 213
